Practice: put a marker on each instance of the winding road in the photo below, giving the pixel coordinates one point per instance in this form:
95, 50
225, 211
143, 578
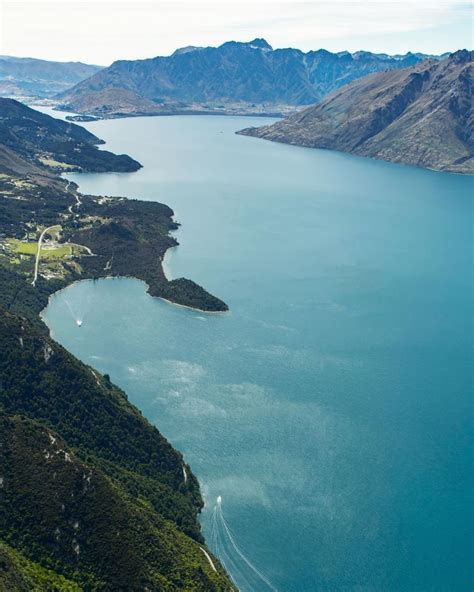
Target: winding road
208, 557
78, 203
38, 253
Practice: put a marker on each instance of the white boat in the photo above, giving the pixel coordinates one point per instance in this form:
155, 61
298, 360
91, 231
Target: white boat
79, 323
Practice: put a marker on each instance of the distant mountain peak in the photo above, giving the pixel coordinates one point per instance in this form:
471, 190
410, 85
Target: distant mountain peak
186, 49
257, 43
462, 56
260, 43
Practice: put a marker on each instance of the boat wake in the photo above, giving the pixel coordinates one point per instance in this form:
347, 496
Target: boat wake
78, 310
244, 573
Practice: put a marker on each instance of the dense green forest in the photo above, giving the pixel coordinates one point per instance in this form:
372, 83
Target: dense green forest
89, 489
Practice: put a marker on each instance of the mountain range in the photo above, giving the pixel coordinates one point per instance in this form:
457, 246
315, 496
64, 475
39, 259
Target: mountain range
421, 115
30, 77
235, 77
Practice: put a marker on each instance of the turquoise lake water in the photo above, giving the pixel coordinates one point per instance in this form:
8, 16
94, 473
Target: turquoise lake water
331, 408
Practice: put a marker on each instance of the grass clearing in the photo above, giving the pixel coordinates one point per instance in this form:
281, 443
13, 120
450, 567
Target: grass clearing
55, 164
23, 248
31, 248
22, 183
56, 252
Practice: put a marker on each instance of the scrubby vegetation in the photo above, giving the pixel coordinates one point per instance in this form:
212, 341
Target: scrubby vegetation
19, 574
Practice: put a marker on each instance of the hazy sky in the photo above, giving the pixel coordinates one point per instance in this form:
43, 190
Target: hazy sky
105, 30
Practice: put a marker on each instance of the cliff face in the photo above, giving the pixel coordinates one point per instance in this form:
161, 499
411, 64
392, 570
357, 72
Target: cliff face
90, 492
249, 76
420, 115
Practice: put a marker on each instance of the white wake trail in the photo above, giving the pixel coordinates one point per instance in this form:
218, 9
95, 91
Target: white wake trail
219, 549
220, 518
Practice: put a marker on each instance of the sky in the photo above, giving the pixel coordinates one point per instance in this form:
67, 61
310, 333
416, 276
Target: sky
102, 31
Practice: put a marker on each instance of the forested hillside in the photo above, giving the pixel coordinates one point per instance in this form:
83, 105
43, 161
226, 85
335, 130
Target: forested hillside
89, 489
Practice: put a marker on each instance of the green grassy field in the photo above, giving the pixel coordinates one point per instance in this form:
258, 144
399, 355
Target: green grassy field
23, 248
31, 248
56, 164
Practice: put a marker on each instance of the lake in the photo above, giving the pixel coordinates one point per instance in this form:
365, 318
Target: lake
331, 407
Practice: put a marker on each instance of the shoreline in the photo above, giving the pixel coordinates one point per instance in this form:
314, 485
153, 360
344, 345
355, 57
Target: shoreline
248, 133
138, 238
128, 277
165, 263
211, 312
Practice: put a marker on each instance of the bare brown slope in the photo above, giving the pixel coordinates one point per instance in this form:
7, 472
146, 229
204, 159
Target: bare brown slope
116, 101
12, 164
420, 115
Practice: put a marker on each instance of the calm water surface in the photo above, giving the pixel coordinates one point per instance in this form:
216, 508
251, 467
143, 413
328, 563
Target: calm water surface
331, 407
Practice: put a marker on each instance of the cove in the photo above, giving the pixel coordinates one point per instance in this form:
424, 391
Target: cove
331, 407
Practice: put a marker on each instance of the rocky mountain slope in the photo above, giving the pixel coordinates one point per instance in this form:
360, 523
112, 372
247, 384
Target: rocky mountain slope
29, 77
420, 115
234, 77
29, 139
